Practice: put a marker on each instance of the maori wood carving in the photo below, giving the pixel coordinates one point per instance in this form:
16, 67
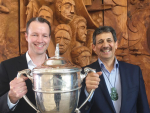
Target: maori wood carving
73, 23
9, 35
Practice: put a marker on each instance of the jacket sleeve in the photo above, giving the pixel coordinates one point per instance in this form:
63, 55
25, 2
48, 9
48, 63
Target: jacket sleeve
86, 108
4, 88
142, 103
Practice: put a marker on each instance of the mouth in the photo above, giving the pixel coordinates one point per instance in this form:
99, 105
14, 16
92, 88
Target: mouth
70, 16
39, 45
61, 47
106, 50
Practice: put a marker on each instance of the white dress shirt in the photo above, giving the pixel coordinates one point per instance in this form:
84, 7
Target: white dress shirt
31, 65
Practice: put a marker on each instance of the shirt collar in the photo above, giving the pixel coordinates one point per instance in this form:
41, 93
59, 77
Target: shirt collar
29, 60
116, 64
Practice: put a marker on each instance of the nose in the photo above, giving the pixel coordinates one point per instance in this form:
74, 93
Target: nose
72, 9
40, 39
26, 12
85, 31
61, 42
105, 44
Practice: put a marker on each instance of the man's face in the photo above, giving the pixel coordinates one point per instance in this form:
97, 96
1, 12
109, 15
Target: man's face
105, 46
83, 59
63, 38
46, 15
67, 9
81, 31
38, 38
29, 11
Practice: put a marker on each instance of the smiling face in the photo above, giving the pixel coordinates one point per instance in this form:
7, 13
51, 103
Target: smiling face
38, 38
63, 38
105, 46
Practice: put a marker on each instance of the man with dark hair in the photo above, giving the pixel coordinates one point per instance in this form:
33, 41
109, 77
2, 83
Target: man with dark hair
119, 86
12, 89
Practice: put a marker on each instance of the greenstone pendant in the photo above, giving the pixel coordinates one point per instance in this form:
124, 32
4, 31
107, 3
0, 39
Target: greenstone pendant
114, 94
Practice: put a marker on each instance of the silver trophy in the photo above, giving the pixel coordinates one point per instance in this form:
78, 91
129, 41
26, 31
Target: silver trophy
57, 85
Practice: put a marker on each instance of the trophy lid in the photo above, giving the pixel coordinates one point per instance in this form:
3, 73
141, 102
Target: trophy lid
57, 64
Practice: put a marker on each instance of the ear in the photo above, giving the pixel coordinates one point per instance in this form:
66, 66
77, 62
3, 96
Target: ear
94, 48
116, 44
26, 36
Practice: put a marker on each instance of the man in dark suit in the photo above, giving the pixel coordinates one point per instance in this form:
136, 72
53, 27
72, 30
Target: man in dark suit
12, 88
119, 86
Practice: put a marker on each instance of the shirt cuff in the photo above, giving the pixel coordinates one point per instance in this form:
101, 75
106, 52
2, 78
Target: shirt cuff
11, 105
87, 94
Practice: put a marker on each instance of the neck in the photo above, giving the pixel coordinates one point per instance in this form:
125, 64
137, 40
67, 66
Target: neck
109, 64
38, 60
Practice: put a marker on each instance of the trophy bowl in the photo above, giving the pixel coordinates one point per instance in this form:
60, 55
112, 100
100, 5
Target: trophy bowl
57, 85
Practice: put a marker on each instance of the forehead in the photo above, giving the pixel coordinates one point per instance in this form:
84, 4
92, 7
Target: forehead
85, 53
62, 33
68, 1
45, 12
36, 26
81, 23
104, 36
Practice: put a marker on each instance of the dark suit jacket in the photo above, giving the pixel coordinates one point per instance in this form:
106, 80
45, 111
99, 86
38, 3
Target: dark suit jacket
8, 71
133, 100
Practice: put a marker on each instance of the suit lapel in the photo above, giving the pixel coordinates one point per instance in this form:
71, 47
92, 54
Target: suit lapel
123, 74
22, 63
103, 86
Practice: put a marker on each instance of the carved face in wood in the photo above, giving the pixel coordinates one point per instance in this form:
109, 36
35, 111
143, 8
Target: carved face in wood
38, 38
46, 13
66, 9
29, 11
81, 32
63, 38
83, 59
105, 46
32, 10
81, 56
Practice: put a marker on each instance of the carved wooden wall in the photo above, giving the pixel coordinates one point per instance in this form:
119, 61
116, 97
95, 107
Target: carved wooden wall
73, 22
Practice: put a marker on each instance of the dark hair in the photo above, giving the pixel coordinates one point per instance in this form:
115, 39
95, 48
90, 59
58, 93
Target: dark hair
104, 29
38, 19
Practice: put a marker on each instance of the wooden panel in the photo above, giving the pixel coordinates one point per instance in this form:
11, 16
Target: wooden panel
138, 28
9, 39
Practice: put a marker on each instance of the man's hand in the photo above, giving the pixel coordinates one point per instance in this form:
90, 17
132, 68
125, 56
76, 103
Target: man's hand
18, 88
92, 81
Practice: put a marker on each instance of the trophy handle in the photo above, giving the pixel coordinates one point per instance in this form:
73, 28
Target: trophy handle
86, 70
27, 72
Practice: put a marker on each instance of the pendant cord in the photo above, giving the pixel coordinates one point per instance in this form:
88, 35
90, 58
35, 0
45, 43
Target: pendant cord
108, 78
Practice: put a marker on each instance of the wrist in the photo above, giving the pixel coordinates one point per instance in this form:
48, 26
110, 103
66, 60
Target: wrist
11, 98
